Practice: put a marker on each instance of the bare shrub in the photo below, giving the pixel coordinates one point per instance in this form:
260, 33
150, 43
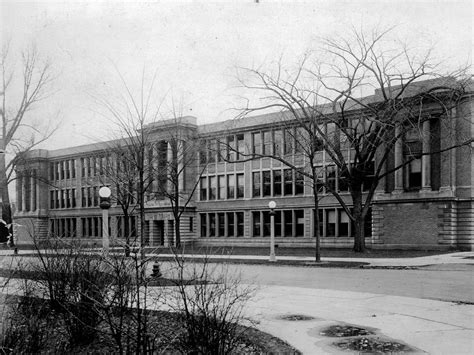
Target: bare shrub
210, 301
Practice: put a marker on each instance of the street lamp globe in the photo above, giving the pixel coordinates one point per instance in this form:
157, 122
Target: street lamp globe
272, 204
104, 192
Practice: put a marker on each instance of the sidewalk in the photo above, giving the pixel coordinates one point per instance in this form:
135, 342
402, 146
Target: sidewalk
432, 327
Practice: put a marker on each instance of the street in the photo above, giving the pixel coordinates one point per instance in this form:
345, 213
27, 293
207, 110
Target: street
455, 284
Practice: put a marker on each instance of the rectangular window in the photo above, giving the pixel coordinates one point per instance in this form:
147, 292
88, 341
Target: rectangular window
343, 180
51, 199
267, 183
221, 224
203, 224
299, 223
240, 186
240, 147
231, 151
89, 166
73, 169
256, 143
300, 139
331, 177
240, 223
267, 142
203, 194
68, 199
83, 167
319, 179
277, 183
369, 176
51, 171
63, 170
221, 187
288, 216
256, 184
277, 223
288, 181
230, 224
212, 187
222, 151
266, 223
212, 224
203, 153
89, 197
257, 230
68, 169
288, 140
73, 198
231, 186
412, 156
95, 196
191, 224
63, 205
299, 182
331, 223
211, 151
343, 223
321, 222
277, 142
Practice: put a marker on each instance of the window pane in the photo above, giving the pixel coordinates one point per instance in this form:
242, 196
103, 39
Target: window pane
221, 186
267, 142
331, 177
276, 182
256, 143
288, 176
330, 223
240, 223
230, 224
277, 142
240, 185
230, 186
299, 219
203, 225
256, 224
288, 215
221, 222
240, 147
299, 183
256, 184
277, 223
343, 224
212, 225
267, 182
266, 223
212, 187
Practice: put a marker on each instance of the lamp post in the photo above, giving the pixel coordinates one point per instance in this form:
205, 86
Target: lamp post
272, 205
104, 194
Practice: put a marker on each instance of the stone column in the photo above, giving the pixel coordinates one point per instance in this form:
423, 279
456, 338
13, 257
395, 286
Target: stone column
19, 192
24, 181
426, 159
169, 161
166, 233
398, 162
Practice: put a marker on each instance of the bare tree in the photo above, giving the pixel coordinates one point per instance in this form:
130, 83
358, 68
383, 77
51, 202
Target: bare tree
20, 92
321, 108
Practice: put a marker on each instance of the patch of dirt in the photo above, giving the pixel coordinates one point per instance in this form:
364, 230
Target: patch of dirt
296, 317
340, 331
372, 346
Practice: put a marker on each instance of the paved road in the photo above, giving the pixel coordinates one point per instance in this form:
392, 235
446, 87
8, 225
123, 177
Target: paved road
454, 284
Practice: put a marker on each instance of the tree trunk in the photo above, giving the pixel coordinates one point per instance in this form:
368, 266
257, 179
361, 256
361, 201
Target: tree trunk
5, 195
359, 221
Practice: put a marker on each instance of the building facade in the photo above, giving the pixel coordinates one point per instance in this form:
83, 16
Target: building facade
427, 204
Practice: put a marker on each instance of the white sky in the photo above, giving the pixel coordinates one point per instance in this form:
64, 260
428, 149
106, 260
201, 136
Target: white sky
196, 45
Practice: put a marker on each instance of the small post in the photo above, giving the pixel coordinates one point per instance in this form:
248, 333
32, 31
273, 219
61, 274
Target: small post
104, 194
272, 205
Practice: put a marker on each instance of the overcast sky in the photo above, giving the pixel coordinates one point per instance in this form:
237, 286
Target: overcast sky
195, 46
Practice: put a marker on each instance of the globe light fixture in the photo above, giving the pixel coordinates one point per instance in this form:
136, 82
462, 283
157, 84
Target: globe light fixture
104, 194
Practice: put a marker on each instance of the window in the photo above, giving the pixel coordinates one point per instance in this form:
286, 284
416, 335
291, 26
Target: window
331, 223
231, 148
51, 171
68, 169
321, 222
230, 186
412, 154
212, 225
240, 147
300, 139
83, 167
212, 187
203, 153
73, 198
221, 224
277, 142
51, 199
299, 223
288, 135
73, 169
277, 183
343, 180
240, 186
240, 223
221, 187
256, 143
95, 196
203, 194
267, 142
343, 223
278, 223
267, 183
191, 224
230, 224
331, 177
256, 184
288, 227
203, 224
299, 182
288, 181
266, 223
257, 230
211, 150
